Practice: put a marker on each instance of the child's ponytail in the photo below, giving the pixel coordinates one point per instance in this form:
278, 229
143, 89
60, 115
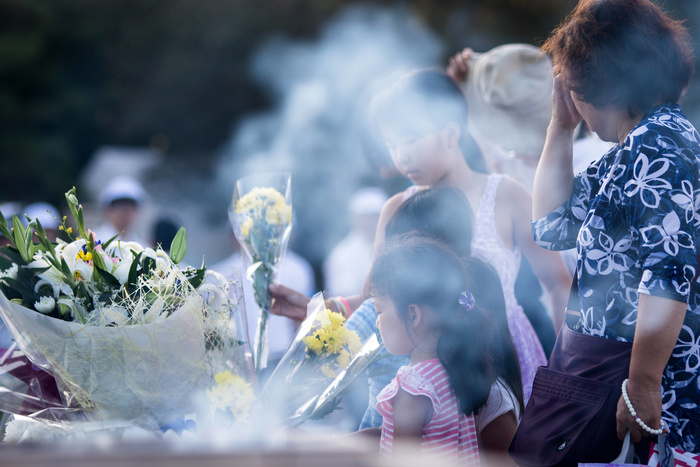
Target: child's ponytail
463, 349
485, 284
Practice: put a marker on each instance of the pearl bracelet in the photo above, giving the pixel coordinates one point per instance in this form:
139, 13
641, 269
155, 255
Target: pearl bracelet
639, 421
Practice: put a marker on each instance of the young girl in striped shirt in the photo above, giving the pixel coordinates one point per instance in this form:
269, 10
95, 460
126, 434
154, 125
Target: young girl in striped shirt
434, 306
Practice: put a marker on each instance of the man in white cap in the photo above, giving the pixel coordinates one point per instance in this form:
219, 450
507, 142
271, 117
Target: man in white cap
346, 267
120, 202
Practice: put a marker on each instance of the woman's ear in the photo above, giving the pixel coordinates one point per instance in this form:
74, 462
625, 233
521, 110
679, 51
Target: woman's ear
453, 132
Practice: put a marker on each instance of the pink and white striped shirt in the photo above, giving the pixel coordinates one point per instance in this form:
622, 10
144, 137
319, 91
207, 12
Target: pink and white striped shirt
450, 434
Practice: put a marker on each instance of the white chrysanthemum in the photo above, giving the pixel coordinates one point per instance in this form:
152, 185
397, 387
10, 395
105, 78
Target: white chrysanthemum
45, 305
22, 429
10, 273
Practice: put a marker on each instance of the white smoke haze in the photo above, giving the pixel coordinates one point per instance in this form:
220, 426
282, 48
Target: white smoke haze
317, 88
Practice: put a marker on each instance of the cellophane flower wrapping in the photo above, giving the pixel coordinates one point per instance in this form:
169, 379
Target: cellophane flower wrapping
128, 337
261, 216
322, 360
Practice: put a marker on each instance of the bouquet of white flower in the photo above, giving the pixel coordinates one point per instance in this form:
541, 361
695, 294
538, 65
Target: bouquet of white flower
126, 333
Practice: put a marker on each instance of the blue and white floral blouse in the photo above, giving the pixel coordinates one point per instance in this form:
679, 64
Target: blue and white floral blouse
634, 219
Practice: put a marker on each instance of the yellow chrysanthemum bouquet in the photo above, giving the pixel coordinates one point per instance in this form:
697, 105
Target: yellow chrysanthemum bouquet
324, 357
261, 216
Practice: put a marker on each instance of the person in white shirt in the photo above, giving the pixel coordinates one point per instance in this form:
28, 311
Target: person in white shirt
294, 272
120, 202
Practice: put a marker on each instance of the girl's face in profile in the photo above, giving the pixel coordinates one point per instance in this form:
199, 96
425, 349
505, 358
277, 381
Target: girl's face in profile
391, 327
418, 156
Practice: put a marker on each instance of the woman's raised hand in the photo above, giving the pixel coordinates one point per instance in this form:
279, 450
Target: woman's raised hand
564, 113
458, 69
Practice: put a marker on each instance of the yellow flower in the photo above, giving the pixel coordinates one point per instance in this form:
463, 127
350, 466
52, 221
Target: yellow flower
314, 343
268, 202
224, 377
245, 227
328, 371
343, 358
353, 342
84, 256
232, 393
334, 340
336, 319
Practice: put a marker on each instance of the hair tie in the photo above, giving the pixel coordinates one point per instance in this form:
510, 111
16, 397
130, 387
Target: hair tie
466, 301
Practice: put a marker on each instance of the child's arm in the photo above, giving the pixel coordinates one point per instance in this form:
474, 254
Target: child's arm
496, 437
411, 414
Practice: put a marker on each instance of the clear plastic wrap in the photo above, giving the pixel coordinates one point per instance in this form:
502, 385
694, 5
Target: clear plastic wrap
321, 362
147, 374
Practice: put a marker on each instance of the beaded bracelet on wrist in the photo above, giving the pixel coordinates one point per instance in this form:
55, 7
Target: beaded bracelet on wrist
639, 421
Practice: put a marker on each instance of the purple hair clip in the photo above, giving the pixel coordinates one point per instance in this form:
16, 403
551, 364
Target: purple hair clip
466, 301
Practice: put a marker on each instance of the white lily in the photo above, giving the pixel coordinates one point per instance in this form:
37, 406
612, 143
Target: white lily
106, 315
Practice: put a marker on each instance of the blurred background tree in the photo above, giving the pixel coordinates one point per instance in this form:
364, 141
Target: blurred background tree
77, 74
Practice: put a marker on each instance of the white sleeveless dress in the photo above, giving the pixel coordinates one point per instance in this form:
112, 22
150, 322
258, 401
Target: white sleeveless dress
488, 246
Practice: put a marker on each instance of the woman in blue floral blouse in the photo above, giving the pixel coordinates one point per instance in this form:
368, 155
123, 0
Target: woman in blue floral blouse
621, 65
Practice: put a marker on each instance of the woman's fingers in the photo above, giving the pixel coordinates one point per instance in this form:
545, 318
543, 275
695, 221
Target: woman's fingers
564, 111
458, 67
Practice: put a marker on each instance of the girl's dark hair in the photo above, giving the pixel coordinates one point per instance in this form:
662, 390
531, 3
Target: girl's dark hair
485, 285
415, 269
421, 102
626, 53
440, 213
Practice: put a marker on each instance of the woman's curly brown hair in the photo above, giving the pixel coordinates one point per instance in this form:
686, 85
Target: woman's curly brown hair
624, 53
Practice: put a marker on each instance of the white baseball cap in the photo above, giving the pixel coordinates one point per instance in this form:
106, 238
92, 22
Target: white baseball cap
367, 200
122, 188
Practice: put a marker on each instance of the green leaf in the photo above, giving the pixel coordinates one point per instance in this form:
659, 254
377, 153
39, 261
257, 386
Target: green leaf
105, 245
21, 238
5, 263
45, 242
133, 273
178, 247
196, 280
147, 265
3, 227
108, 278
12, 254
65, 270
